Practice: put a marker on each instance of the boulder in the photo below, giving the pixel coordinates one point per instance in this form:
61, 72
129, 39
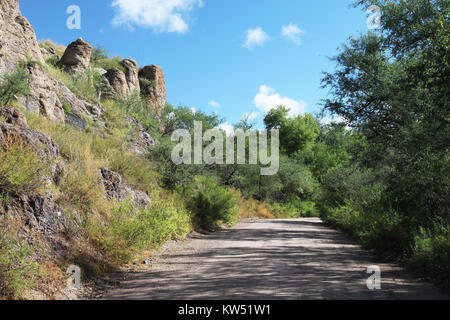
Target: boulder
76, 58
13, 116
17, 38
153, 87
118, 82
116, 189
132, 74
44, 146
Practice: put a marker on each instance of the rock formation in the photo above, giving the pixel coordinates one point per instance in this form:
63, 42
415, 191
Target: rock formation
47, 96
17, 38
153, 86
118, 82
132, 74
13, 116
143, 142
45, 147
77, 57
117, 190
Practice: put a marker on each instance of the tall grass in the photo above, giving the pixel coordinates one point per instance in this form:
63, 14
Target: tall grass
21, 169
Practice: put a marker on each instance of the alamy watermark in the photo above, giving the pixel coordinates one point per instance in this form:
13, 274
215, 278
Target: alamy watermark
74, 280
374, 281
259, 151
73, 22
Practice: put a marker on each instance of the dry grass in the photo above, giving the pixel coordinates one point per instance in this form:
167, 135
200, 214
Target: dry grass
253, 208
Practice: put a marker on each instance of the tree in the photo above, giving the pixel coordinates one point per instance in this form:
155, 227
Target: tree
14, 84
297, 134
393, 88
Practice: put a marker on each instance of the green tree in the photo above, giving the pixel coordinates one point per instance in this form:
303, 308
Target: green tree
14, 84
297, 134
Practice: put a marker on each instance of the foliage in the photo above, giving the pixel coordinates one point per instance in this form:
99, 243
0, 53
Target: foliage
298, 133
14, 84
212, 204
17, 269
21, 169
101, 59
391, 191
130, 230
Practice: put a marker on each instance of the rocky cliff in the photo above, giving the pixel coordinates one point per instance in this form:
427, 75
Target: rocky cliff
17, 37
74, 182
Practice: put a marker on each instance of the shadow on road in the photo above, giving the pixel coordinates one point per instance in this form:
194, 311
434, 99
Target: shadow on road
272, 259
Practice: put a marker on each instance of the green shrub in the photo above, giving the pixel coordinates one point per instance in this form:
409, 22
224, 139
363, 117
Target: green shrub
21, 169
17, 270
431, 253
130, 230
101, 59
67, 108
212, 204
14, 84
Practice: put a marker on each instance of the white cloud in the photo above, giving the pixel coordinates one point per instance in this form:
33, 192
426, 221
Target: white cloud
250, 116
255, 37
193, 110
214, 104
268, 98
292, 32
160, 15
228, 128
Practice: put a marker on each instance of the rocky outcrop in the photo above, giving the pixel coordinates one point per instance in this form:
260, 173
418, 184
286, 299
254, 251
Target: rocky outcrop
132, 74
13, 116
48, 53
118, 82
17, 38
45, 147
153, 87
40, 213
143, 141
116, 189
49, 97
77, 57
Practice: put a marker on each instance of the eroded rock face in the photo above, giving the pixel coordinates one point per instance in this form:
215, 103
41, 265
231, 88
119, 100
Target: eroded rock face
132, 74
48, 97
45, 147
143, 142
118, 82
13, 116
39, 212
77, 57
17, 38
116, 189
155, 90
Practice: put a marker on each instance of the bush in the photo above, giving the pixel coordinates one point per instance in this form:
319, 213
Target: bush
17, 270
130, 230
431, 253
14, 84
251, 208
21, 169
100, 59
212, 205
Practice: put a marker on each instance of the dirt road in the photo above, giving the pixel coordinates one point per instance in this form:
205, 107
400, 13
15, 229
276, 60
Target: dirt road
269, 259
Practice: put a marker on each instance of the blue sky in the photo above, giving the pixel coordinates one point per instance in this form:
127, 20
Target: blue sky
226, 56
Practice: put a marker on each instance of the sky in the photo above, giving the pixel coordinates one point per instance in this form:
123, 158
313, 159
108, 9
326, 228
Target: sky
232, 57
